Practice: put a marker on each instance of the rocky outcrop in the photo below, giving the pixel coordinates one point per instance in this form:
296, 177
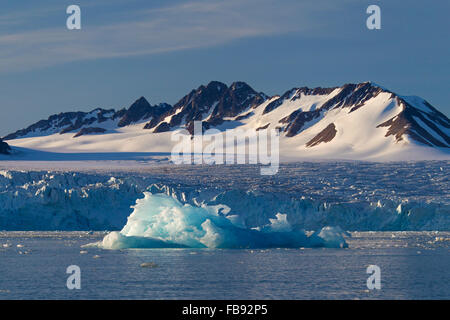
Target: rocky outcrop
295, 94
211, 104
141, 110
326, 135
89, 130
413, 122
4, 147
351, 96
297, 119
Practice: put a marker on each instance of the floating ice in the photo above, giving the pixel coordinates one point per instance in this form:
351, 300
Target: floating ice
161, 221
149, 265
329, 237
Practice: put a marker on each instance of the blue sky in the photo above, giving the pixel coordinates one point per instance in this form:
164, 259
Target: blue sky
163, 49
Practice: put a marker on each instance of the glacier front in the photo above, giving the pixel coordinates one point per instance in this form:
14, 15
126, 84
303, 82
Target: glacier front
356, 196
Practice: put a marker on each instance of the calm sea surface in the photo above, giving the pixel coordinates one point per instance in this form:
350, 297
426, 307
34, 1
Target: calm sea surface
414, 265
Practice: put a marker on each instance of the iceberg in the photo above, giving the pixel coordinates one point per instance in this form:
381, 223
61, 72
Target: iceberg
161, 221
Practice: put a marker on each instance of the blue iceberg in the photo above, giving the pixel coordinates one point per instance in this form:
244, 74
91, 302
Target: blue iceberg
161, 221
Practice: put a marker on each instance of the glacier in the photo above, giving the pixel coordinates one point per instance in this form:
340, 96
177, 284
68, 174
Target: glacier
355, 196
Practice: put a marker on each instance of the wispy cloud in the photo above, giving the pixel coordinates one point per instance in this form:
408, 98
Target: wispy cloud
195, 24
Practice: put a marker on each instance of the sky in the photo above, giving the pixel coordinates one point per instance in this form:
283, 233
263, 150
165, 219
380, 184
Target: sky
162, 49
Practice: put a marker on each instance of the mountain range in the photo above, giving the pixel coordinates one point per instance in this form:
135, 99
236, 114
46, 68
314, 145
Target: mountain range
354, 121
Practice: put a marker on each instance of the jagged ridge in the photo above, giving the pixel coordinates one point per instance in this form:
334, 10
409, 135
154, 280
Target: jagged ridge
216, 104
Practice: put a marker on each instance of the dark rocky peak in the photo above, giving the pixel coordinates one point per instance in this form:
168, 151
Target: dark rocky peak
242, 87
350, 95
353, 95
279, 100
4, 147
410, 122
425, 107
139, 110
239, 97
216, 86
203, 98
362, 93
140, 105
161, 107
319, 91
212, 102
295, 94
236, 99
194, 106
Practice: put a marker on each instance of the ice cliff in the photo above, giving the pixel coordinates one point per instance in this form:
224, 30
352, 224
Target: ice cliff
32, 200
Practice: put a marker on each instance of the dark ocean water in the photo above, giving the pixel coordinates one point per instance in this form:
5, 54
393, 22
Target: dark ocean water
414, 265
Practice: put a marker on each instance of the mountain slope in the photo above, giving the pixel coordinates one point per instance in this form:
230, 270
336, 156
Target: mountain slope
354, 121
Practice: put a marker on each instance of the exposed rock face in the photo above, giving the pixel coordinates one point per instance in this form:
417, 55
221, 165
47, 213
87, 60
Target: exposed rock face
326, 135
263, 127
350, 96
407, 122
211, 104
237, 98
89, 130
295, 94
353, 96
142, 110
4, 147
162, 127
296, 120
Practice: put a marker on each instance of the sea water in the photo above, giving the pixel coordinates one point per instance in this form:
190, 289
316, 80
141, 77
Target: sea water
414, 265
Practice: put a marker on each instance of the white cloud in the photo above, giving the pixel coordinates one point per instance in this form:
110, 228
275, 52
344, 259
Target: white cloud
189, 25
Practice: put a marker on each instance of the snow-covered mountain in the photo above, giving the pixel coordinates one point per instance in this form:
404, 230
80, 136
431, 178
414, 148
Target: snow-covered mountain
354, 121
97, 121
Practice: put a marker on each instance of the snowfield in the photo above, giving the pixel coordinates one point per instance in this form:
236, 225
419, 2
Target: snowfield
310, 195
